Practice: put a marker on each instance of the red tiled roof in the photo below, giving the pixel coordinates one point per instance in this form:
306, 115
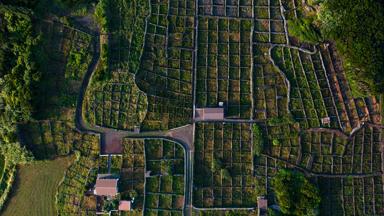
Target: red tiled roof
106, 187
124, 205
262, 203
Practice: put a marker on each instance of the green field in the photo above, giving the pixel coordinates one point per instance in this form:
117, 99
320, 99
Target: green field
35, 188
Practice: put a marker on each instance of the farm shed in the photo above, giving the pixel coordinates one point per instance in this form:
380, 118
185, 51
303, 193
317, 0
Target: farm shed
124, 205
262, 206
106, 187
326, 121
209, 114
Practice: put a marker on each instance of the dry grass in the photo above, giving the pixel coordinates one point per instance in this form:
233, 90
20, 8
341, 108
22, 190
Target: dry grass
35, 188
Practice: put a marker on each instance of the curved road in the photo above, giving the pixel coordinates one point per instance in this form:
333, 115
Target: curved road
82, 126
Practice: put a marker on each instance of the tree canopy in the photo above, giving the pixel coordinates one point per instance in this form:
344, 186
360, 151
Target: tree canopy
356, 27
18, 75
295, 194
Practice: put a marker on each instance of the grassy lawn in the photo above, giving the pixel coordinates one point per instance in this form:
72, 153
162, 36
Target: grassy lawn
35, 188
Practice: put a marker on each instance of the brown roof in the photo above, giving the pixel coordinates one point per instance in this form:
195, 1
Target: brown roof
124, 205
210, 113
106, 187
262, 203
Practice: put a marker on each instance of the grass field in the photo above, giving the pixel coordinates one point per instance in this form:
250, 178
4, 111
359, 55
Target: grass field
35, 188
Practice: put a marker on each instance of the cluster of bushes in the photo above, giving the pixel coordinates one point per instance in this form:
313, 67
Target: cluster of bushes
295, 194
258, 142
101, 14
275, 121
356, 27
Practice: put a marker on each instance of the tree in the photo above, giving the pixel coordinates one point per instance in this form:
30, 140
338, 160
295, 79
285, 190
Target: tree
295, 194
356, 27
14, 153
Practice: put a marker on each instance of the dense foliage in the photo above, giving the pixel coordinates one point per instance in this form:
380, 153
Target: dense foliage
304, 30
18, 71
17, 77
295, 194
101, 14
356, 26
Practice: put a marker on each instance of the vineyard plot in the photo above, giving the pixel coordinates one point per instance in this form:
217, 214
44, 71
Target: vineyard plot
49, 139
270, 87
226, 8
283, 142
126, 29
352, 196
342, 95
165, 72
119, 105
223, 166
164, 184
71, 190
112, 99
330, 153
224, 65
132, 175
306, 99
269, 25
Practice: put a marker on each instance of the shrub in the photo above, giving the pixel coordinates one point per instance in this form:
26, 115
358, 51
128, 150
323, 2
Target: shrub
304, 30
258, 142
295, 194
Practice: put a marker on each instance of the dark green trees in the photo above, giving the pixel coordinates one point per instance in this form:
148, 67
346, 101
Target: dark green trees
295, 194
18, 74
357, 28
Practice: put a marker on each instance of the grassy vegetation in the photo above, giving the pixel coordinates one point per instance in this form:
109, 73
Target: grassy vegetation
258, 142
36, 186
304, 30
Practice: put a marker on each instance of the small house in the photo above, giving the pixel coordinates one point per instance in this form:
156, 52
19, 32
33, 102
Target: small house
106, 187
209, 114
124, 205
326, 121
262, 206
